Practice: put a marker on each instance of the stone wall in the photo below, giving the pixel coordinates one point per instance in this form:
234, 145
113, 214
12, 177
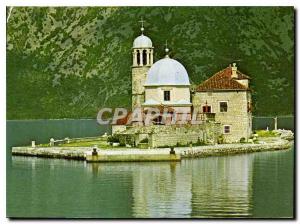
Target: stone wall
171, 135
139, 75
173, 139
117, 128
237, 115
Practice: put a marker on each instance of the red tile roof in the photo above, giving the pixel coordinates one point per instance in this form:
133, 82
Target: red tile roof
222, 80
124, 121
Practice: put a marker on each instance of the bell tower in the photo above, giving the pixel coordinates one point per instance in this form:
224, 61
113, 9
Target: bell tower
142, 53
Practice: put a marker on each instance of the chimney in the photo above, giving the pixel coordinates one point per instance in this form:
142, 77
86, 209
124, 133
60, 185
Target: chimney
233, 71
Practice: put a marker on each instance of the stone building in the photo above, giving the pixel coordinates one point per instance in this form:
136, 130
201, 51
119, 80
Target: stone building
221, 102
227, 97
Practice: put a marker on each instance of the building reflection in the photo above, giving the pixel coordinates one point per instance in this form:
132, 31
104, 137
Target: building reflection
207, 187
162, 190
210, 187
222, 187
159, 189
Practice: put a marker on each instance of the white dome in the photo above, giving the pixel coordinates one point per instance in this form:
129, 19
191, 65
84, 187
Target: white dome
167, 71
142, 42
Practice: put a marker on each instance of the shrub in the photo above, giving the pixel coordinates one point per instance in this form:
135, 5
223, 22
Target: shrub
164, 146
145, 140
221, 139
113, 139
183, 145
242, 140
199, 142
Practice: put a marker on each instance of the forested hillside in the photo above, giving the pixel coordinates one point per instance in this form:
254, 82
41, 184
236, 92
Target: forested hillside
69, 62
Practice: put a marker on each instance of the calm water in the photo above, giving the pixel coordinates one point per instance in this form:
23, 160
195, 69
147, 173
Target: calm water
250, 185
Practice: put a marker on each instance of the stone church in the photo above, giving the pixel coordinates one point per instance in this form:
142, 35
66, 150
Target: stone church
224, 99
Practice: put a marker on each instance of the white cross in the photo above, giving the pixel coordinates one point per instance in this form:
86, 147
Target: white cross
142, 22
166, 49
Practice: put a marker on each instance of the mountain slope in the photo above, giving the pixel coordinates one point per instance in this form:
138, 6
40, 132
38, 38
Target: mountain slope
68, 62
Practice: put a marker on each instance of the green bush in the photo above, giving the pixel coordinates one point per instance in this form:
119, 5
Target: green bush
113, 139
199, 143
145, 140
164, 146
242, 140
221, 139
183, 145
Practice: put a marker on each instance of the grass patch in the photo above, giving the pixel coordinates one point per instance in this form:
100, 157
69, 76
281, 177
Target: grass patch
265, 133
43, 145
100, 143
83, 143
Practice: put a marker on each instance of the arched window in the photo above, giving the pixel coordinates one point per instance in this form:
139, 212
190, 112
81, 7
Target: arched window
144, 57
138, 57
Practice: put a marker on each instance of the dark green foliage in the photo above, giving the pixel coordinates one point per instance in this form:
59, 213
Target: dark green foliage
145, 140
199, 143
221, 139
242, 140
69, 62
113, 139
122, 144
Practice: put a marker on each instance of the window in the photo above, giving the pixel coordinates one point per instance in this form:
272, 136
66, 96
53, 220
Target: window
138, 57
167, 95
144, 57
226, 129
206, 109
223, 106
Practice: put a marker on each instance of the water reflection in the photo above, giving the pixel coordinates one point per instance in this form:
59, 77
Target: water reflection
162, 191
222, 187
208, 187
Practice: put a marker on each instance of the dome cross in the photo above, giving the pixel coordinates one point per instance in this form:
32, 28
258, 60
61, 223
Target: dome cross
142, 24
167, 49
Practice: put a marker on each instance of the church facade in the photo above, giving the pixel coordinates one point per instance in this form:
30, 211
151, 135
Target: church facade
224, 98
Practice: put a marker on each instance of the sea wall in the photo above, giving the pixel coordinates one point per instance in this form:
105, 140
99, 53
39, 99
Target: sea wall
75, 153
229, 149
142, 157
134, 154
